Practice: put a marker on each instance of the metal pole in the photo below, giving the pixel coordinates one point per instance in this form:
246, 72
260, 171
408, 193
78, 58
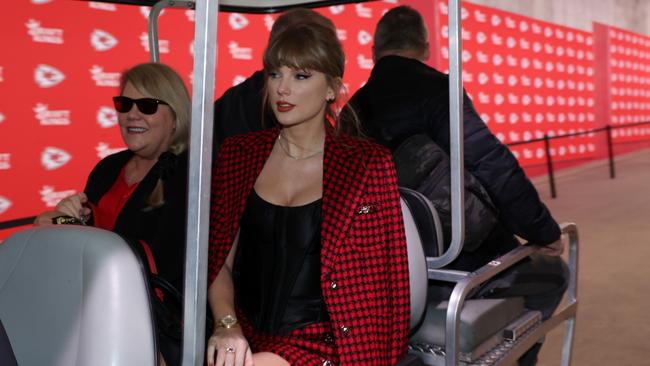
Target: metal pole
456, 140
610, 152
153, 30
572, 292
154, 14
549, 165
205, 33
456, 149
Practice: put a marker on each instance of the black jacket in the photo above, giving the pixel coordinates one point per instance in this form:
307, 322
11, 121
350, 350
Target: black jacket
162, 228
239, 109
404, 97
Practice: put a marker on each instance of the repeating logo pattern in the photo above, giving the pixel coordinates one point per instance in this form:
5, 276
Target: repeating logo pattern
102, 40
54, 158
103, 150
47, 117
5, 161
629, 58
106, 117
103, 78
102, 6
76, 70
47, 76
163, 44
4, 204
527, 79
42, 34
50, 197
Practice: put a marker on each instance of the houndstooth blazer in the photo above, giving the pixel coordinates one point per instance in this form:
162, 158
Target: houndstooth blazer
364, 273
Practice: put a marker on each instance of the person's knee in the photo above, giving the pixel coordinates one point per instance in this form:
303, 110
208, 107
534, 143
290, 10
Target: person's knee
554, 268
551, 277
269, 359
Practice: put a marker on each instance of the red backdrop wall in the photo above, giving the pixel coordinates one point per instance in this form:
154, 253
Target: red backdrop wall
62, 59
623, 84
527, 78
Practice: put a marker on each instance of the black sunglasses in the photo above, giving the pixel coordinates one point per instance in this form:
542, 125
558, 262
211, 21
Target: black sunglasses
145, 105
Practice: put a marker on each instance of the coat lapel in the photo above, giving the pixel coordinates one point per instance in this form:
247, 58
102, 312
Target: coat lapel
344, 177
255, 153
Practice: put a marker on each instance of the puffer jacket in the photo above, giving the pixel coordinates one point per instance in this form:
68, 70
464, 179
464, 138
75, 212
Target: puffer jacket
423, 166
405, 97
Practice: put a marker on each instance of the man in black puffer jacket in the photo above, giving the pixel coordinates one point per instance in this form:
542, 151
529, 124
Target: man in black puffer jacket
404, 97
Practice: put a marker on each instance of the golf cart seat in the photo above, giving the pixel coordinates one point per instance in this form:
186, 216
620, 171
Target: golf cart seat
73, 295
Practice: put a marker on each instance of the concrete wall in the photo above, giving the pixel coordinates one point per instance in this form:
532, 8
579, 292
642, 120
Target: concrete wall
633, 15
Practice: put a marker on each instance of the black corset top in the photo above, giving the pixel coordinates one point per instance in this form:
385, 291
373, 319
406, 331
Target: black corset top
276, 271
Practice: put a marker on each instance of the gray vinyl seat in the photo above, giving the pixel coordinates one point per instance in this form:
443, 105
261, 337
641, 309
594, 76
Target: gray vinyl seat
72, 295
482, 321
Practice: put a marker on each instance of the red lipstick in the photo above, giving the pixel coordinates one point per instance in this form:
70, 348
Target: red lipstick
284, 106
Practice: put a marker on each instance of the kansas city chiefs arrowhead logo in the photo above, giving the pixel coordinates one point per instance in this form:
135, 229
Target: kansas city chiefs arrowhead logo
54, 158
102, 40
47, 76
237, 21
106, 117
364, 37
4, 204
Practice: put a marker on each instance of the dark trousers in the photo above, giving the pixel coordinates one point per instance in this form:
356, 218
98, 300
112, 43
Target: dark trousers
540, 279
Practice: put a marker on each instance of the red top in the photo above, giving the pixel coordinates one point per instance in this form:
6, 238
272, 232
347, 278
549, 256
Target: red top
108, 209
110, 205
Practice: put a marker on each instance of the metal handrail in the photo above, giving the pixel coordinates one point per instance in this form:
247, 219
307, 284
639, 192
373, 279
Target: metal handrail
549, 159
456, 140
579, 133
467, 281
154, 14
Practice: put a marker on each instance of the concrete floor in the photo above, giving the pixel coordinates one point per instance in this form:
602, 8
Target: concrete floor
613, 218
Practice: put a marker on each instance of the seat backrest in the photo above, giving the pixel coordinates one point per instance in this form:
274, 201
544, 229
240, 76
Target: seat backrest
72, 295
423, 237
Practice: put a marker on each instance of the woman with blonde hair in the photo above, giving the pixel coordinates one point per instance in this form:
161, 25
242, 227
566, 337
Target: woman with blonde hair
140, 193
307, 258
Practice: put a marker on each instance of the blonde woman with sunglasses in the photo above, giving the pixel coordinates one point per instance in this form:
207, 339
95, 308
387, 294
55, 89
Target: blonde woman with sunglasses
140, 193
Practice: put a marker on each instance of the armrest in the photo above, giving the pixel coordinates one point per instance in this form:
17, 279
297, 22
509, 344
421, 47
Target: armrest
466, 281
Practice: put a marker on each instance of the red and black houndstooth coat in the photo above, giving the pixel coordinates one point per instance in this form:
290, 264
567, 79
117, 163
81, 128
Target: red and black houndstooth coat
364, 273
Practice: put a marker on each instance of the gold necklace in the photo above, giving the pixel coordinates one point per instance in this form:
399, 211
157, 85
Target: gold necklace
288, 154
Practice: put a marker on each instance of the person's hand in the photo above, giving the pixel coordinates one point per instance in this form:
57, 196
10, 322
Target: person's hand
74, 206
554, 249
46, 218
231, 348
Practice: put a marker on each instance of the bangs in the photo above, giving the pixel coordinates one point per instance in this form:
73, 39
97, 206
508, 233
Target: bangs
299, 49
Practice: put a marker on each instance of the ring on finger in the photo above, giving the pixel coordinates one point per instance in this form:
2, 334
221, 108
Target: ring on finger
230, 349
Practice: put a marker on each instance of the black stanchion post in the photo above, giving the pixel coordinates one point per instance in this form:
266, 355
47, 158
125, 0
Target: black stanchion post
549, 165
610, 152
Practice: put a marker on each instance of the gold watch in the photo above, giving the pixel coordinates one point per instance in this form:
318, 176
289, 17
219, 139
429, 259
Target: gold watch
227, 321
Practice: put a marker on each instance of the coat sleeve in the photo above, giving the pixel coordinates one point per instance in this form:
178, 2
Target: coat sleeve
398, 271
491, 162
